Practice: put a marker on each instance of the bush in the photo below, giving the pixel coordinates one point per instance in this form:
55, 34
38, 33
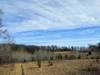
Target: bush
39, 63
0, 61
66, 57
72, 57
97, 57
89, 53
92, 57
79, 57
51, 58
59, 57
50, 63
33, 59
91, 69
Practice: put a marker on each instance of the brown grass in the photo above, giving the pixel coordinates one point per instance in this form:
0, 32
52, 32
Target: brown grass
67, 67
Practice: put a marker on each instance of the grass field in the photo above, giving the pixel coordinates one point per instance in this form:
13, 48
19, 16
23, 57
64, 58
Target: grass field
65, 67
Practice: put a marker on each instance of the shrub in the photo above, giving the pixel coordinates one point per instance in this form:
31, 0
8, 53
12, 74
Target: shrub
50, 63
79, 57
92, 57
72, 57
51, 58
33, 58
91, 69
97, 57
66, 57
39, 63
59, 57
89, 53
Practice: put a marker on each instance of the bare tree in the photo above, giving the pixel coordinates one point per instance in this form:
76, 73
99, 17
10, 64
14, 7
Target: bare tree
38, 57
43, 54
5, 52
50, 57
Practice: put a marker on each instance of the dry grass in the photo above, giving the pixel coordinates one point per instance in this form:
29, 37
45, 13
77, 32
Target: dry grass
85, 55
10, 69
67, 67
72, 67
17, 69
7, 69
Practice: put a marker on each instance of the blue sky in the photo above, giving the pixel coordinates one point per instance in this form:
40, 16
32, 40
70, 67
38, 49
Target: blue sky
52, 22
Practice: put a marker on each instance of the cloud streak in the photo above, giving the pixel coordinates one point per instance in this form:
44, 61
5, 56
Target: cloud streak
36, 15
75, 37
48, 14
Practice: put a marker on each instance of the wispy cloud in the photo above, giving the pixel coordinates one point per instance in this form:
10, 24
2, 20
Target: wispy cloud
29, 15
46, 14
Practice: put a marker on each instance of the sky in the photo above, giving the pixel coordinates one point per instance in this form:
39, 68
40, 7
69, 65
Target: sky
52, 22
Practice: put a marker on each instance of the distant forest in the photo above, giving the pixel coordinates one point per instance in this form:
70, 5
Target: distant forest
33, 48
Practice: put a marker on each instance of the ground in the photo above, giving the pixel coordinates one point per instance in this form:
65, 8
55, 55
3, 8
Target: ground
62, 67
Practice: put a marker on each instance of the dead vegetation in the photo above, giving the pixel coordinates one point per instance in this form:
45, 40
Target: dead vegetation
65, 67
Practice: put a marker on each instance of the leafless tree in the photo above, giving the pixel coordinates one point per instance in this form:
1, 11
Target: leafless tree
43, 54
5, 52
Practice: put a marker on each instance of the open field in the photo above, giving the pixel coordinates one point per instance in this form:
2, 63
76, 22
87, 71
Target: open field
65, 67
10, 69
83, 55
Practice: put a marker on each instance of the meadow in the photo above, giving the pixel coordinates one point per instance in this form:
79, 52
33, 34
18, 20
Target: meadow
45, 62
64, 67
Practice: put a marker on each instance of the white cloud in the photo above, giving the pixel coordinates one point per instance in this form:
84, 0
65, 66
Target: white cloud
48, 14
